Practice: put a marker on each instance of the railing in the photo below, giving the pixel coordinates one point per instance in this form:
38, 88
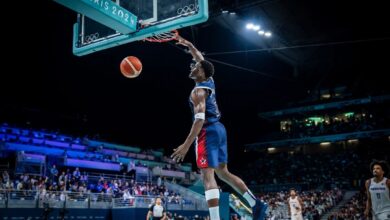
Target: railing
238, 206
21, 199
80, 200
158, 171
197, 199
97, 176
3, 199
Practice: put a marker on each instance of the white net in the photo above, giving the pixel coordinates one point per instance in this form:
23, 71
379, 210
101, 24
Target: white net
164, 37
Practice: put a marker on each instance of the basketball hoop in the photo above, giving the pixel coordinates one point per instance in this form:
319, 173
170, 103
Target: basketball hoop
164, 37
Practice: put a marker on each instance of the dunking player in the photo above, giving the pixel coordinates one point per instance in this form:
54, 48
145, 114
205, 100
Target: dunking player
378, 191
295, 205
210, 138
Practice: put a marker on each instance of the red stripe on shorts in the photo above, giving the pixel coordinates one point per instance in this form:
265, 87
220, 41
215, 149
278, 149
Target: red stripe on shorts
201, 150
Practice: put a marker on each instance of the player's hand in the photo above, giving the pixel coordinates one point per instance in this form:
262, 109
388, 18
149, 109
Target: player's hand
180, 153
182, 41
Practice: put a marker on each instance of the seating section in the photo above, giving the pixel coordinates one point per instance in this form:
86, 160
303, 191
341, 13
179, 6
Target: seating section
82, 152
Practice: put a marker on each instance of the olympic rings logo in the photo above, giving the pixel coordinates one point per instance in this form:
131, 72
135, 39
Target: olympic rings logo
91, 37
188, 9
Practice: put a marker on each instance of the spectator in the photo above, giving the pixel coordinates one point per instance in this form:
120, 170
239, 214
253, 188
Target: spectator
5, 176
54, 172
77, 174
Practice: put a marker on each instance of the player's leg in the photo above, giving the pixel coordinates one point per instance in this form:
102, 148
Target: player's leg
222, 171
259, 208
211, 192
206, 159
235, 182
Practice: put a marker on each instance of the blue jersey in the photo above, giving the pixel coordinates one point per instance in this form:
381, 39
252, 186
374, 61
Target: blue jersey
212, 111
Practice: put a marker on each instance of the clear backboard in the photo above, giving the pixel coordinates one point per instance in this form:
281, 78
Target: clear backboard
151, 17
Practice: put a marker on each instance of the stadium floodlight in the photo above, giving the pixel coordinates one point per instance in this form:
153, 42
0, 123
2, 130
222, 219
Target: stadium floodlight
249, 26
256, 27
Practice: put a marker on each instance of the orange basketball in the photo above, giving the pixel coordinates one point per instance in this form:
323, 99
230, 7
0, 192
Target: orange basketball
131, 67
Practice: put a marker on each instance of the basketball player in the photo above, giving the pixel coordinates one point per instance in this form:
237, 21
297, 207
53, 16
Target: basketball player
378, 191
156, 211
210, 138
295, 206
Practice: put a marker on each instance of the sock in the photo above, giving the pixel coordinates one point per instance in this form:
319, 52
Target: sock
214, 213
250, 198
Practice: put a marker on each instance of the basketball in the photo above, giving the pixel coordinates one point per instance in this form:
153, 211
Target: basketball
131, 67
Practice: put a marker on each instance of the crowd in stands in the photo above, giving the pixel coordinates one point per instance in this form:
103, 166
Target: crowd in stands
77, 182
315, 170
330, 170
81, 145
325, 124
316, 203
75, 185
331, 124
17, 135
353, 210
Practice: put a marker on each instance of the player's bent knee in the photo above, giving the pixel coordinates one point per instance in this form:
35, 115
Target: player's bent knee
222, 174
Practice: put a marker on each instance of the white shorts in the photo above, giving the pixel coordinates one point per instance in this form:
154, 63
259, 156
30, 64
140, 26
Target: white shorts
297, 217
381, 216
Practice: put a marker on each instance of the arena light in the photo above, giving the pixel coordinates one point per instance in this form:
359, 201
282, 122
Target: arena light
225, 11
316, 119
326, 96
271, 149
349, 114
249, 26
232, 13
258, 29
325, 143
353, 141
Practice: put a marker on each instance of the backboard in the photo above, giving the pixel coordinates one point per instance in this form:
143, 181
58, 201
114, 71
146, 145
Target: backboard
153, 17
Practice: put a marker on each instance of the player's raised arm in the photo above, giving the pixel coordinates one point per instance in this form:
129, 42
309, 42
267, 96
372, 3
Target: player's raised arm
196, 54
